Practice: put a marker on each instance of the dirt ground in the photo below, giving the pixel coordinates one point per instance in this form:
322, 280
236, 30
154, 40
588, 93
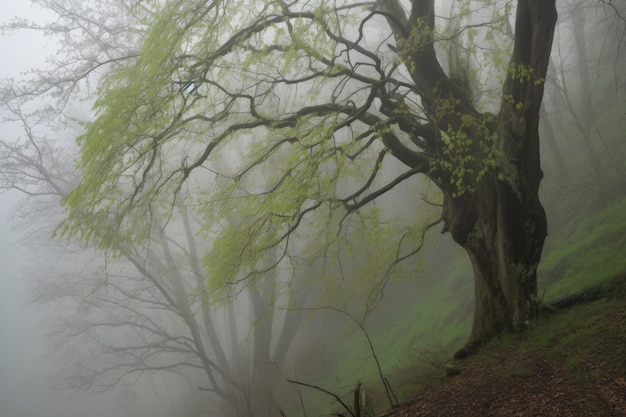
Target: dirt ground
531, 383
539, 390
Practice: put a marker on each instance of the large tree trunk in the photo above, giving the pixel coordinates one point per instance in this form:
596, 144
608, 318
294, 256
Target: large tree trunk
487, 166
502, 224
502, 228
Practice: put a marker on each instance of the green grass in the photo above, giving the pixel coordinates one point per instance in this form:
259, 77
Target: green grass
592, 331
585, 254
430, 319
587, 341
419, 330
414, 332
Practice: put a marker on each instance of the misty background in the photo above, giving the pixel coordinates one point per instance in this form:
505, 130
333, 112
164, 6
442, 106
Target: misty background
22, 348
26, 364
29, 364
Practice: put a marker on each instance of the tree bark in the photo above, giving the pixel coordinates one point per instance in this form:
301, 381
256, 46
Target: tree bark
502, 229
502, 223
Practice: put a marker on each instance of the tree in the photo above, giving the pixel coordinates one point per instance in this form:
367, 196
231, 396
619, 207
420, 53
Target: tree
582, 85
317, 98
143, 313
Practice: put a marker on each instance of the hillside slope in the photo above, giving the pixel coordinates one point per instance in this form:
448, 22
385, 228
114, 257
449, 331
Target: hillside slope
571, 363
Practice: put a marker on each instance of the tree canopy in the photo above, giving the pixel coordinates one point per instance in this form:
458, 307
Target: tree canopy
275, 107
297, 111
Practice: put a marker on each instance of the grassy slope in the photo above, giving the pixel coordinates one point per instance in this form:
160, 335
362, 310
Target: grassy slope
593, 329
570, 363
585, 342
584, 253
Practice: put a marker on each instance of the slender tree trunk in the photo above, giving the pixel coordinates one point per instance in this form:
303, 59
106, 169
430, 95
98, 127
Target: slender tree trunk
262, 398
290, 327
584, 78
553, 145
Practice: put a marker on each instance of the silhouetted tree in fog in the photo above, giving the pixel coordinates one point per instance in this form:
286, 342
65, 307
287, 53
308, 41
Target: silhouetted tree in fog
584, 88
143, 311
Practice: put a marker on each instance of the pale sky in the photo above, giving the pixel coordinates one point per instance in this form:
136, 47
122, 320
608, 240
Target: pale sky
20, 348
23, 358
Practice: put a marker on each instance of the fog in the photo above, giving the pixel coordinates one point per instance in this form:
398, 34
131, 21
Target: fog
27, 365
22, 349
134, 323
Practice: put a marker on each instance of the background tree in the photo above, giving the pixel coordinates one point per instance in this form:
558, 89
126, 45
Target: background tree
584, 86
143, 313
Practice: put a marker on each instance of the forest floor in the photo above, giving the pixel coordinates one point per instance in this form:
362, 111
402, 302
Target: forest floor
571, 363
